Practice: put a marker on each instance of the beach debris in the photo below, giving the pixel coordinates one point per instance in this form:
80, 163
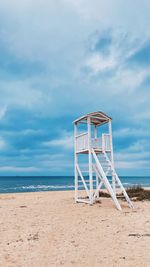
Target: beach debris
98, 201
74, 243
136, 235
33, 237
146, 235
19, 240
136, 193
139, 235
23, 206
103, 194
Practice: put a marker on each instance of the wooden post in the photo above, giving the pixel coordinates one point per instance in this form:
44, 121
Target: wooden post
112, 157
90, 160
97, 180
75, 163
95, 131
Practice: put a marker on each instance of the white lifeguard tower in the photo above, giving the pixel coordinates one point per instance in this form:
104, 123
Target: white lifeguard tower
95, 147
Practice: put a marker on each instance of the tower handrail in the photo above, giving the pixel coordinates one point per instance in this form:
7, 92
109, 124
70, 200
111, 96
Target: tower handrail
105, 139
106, 182
119, 183
82, 134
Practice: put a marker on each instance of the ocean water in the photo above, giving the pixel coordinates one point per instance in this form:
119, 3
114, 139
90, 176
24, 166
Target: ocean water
18, 184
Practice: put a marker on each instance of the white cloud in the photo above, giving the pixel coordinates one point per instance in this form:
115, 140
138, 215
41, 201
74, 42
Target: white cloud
131, 78
132, 132
21, 93
137, 165
144, 113
18, 169
115, 14
55, 35
99, 63
135, 157
34, 30
3, 111
61, 49
65, 141
3, 144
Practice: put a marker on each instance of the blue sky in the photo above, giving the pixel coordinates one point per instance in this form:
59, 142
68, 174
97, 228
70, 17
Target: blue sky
62, 59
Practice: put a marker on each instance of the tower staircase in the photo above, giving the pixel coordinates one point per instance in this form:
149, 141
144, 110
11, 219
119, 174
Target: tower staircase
103, 168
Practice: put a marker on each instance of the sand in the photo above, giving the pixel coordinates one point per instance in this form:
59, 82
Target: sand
49, 229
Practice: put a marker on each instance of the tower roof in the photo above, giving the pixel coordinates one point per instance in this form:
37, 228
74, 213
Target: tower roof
97, 118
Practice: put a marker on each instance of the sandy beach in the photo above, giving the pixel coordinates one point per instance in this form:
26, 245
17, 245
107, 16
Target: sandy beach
48, 229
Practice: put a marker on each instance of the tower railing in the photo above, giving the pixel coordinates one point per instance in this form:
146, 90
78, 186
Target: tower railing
100, 143
81, 142
106, 142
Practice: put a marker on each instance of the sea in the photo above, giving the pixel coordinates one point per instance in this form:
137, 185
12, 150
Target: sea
18, 184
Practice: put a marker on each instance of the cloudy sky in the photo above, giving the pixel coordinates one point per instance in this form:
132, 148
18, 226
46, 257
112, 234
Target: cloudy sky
61, 59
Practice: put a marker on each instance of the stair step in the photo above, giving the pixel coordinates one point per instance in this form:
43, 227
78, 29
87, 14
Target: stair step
87, 181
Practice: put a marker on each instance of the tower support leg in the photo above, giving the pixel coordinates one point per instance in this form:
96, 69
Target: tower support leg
75, 164
90, 161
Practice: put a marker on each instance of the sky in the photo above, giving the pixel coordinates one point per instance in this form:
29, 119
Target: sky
62, 59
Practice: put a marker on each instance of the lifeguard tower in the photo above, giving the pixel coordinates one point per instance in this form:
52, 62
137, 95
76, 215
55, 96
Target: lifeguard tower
94, 161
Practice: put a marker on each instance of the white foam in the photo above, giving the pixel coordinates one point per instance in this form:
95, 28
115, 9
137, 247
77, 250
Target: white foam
47, 187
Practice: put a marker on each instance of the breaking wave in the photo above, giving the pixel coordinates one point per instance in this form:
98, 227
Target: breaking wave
60, 183
45, 187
